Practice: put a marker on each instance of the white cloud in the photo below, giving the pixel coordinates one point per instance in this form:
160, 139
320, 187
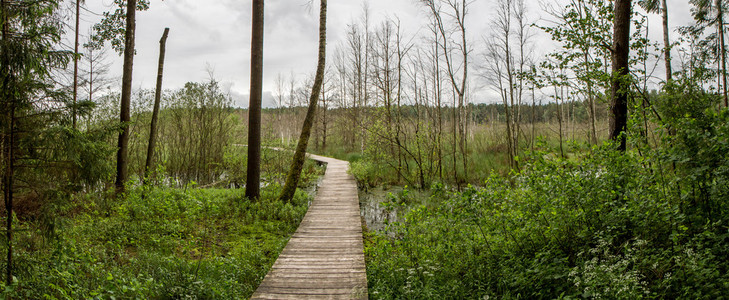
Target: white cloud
217, 33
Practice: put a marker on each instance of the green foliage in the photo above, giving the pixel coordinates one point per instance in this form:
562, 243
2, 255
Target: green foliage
368, 174
113, 26
44, 161
583, 30
606, 225
235, 161
699, 137
169, 244
194, 132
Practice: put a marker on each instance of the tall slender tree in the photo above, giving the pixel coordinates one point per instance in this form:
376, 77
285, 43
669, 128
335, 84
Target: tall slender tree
253, 179
722, 48
620, 75
122, 164
292, 179
454, 46
75, 62
711, 13
660, 6
8, 137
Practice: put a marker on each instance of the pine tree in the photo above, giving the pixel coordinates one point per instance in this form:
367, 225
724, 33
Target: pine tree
30, 32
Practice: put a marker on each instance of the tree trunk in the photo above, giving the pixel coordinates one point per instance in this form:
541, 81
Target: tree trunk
620, 80
91, 75
7, 149
560, 117
9, 154
126, 93
666, 41
509, 139
461, 19
155, 110
722, 49
593, 117
75, 63
292, 180
253, 177
534, 102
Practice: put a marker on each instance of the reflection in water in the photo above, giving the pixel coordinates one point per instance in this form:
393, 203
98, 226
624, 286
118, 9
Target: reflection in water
372, 210
313, 188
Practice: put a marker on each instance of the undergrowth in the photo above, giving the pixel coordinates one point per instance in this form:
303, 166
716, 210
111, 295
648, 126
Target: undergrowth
155, 243
649, 223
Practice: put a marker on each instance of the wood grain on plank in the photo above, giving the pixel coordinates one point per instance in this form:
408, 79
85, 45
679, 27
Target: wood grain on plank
325, 257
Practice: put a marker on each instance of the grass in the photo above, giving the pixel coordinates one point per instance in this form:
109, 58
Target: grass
170, 244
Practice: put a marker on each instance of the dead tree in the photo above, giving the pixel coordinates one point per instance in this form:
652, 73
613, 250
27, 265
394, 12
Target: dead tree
458, 13
155, 110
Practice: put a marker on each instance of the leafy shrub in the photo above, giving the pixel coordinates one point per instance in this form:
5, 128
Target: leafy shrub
607, 225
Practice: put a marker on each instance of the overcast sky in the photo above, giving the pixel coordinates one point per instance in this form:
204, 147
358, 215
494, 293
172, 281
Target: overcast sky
215, 35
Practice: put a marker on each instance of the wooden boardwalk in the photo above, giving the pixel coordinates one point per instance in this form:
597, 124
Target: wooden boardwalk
325, 257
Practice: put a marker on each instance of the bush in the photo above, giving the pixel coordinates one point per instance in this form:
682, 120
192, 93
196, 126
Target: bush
609, 225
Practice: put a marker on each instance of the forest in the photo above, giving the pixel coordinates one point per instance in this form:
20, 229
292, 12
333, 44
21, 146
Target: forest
507, 149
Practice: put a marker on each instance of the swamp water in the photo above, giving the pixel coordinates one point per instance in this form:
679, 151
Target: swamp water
381, 206
375, 214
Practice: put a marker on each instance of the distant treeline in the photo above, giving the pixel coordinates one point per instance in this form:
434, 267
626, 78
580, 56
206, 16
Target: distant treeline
483, 113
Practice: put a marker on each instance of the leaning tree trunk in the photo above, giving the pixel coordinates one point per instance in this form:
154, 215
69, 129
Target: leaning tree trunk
620, 80
122, 154
155, 110
292, 180
253, 171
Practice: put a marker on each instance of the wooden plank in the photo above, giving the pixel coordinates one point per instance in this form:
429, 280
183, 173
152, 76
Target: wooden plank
324, 259
344, 292
337, 271
354, 276
288, 283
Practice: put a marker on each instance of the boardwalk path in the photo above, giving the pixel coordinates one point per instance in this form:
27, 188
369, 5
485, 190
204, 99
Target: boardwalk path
324, 258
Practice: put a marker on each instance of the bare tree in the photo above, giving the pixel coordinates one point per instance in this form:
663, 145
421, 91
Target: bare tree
523, 34
500, 71
328, 91
155, 110
280, 86
458, 11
